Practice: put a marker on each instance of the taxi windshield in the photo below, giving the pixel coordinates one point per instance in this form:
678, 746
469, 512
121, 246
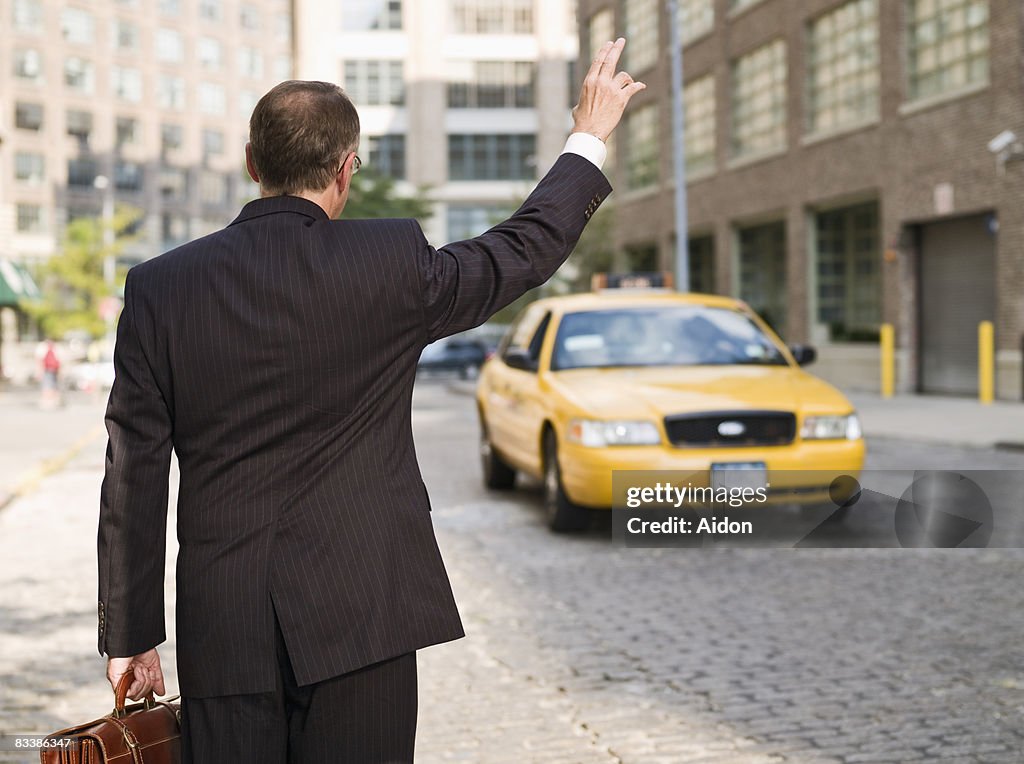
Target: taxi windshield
671, 335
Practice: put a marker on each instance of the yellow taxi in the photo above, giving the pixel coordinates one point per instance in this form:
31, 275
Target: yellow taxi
585, 384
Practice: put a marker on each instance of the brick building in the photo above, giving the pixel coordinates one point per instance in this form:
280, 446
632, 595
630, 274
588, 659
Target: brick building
839, 172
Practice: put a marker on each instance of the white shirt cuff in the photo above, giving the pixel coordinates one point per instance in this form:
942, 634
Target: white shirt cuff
588, 146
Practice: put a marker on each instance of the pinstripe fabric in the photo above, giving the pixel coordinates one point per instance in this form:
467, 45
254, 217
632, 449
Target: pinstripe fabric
277, 357
367, 716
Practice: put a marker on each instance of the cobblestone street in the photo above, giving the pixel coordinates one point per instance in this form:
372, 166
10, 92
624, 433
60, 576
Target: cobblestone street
581, 651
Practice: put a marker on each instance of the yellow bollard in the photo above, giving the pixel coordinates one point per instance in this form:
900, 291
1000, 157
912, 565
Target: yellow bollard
986, 362
887, 346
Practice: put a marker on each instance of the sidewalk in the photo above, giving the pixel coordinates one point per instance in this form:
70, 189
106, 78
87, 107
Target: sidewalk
947, 420
942, 419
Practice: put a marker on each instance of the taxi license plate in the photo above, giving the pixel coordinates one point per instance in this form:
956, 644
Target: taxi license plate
739, 475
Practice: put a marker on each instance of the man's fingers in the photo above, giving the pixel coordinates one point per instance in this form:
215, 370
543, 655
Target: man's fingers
631, 90
611, 59
158, 685
595, 66
622, 79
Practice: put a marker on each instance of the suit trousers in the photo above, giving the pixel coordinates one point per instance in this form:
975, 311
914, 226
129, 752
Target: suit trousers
367, 716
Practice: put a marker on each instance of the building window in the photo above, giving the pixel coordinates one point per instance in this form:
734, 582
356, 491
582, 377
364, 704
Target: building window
640, 147
213, 143
127, 176
696, 18
170, 93
79, 75
173, 183
738, 5
212, 99
282, 68
848, 275
173, 230
842, 72
171, 8
247, 100
29, 168
82, 172
30, 219
126, 36
947, 46
491, 157
169, 46
466, 221
78, 26
600, 30
127, 84
249, 17
365, 15
492, 16
699, 99
491, 84
250, 62
28, 65
759, 100
375, 83
387, 155
213, 188
211, 10
127, 132
283, 27
641, 17
702, 264
762, 272
79, 126
28, 16
210, 54
172, 138
28, 116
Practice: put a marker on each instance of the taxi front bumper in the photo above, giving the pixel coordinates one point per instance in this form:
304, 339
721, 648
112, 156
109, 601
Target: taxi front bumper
800, 472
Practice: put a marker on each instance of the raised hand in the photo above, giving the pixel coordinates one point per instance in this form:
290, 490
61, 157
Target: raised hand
605, 93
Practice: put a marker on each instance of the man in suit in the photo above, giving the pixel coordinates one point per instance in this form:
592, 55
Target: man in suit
277, 358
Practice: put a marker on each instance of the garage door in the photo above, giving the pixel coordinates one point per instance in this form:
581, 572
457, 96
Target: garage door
958, 290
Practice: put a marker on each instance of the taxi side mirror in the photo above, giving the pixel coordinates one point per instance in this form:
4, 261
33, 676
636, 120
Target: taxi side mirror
803, 354
519, 358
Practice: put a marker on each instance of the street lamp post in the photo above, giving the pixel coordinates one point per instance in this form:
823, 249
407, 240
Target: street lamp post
682, 270
102, 184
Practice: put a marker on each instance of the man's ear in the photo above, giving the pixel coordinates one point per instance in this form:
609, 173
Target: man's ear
249, 164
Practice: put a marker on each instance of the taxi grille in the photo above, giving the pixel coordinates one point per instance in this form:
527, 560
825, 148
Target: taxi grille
731, 428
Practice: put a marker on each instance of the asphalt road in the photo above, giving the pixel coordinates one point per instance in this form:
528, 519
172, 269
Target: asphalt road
579, 650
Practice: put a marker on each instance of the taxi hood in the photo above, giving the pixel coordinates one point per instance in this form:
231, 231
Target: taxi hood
652, 393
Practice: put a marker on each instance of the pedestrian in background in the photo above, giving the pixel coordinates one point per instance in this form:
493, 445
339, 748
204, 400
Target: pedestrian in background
50, 365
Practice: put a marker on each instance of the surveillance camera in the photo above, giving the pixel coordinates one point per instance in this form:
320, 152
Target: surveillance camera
1002, 142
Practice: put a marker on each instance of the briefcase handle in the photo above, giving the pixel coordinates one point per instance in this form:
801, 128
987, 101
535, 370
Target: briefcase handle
121, 693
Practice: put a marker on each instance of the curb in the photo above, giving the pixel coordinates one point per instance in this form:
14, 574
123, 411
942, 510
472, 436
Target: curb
49, 467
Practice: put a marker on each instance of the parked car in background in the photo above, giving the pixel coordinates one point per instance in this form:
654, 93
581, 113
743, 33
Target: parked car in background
461, 354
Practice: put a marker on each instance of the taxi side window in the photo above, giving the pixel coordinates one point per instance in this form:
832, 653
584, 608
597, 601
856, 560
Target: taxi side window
526, 336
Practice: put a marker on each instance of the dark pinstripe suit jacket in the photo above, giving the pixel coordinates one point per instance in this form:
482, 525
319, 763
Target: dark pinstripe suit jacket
277, 358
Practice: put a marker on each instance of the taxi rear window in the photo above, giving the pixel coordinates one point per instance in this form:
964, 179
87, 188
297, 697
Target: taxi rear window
677, 335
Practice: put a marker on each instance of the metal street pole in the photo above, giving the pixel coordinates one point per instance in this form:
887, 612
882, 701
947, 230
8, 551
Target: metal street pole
102, 184
682, 272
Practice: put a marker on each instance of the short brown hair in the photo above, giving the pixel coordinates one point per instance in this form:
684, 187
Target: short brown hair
299, 132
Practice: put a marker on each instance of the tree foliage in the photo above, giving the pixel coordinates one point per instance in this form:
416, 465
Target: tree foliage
72, 281
373, 195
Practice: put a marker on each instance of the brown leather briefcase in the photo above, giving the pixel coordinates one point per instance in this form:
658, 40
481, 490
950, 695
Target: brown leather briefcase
142, 733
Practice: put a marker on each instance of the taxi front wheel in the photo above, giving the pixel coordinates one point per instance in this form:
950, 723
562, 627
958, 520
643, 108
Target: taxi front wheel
498, 475
563, 515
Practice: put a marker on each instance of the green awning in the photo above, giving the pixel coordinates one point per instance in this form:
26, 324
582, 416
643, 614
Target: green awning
16, 284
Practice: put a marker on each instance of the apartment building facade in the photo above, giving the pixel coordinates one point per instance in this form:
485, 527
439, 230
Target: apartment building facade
839, 172
469, 99
143, 103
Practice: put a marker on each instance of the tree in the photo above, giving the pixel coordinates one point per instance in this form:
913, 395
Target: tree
72, 281
373, 195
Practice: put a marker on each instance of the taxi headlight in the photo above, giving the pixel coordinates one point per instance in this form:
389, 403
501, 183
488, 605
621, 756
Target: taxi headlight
596, 433
831, 428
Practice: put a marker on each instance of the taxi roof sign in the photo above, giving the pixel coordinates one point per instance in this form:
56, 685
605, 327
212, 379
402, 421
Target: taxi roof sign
647, 280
